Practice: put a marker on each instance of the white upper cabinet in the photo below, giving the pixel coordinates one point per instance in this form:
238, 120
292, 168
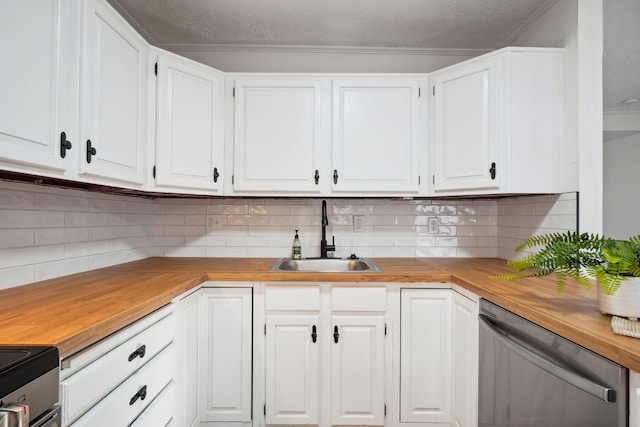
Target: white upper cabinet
497, 124
189, 126
277, 138
113, 108
39, 50
377, 135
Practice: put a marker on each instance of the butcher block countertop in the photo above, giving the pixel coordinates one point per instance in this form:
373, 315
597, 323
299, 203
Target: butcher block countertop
75, 311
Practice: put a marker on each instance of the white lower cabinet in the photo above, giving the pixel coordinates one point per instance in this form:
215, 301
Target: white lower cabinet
128, 400
160, 412
325, 355
187, 337
113, 381
465, 355
357, 370
292, 369
425, 355
225, 347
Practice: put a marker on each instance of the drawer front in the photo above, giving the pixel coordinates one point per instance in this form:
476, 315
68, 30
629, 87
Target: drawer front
86, 387
358, 299
293, 298
161, 412
125, 403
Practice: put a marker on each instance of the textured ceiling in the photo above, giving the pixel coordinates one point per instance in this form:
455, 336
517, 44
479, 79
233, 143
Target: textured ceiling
428, 24
421, 24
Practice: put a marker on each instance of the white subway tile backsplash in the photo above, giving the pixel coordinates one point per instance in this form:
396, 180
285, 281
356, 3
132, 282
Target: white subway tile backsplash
16, 276
58, 202
13, 199
17, 238
51, 231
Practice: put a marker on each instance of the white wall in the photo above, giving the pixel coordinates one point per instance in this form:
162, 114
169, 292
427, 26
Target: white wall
325, 60
621, 178
577, 26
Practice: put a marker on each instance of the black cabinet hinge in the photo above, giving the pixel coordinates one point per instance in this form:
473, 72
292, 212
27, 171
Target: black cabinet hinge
385, 329
385, 409
156, 69
265, 329
233, 178
154, 172
418, 179
434, 91
264, 409
433, 179
419, 92
234, 92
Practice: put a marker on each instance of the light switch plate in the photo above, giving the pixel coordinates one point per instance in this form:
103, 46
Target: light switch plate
433, 225
358, 223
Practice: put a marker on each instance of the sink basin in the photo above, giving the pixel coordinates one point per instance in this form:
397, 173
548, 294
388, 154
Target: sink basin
325, 265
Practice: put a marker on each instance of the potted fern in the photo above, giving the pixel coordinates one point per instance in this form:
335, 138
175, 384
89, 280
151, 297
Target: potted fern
614, 264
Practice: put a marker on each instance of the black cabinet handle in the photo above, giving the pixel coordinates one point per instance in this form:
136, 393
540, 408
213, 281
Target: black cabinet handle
335, 176
316, 177
91, 151
216, 175
336, 335
492, 170
138, 353
64, 145
314, 334
141, 394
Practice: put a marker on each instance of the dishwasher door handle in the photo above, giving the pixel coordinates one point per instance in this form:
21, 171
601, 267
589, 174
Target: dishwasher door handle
602, 392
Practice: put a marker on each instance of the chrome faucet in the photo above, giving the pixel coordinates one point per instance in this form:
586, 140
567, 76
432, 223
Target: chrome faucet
324, 247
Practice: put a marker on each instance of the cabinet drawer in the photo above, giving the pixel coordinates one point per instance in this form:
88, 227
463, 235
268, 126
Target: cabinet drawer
358, 299
161, 412
83, 389
293, 298
121, 406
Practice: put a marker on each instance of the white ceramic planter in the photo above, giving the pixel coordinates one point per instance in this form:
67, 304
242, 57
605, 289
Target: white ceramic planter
625, 302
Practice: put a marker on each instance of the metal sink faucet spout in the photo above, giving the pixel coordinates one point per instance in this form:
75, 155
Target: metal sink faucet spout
324, 247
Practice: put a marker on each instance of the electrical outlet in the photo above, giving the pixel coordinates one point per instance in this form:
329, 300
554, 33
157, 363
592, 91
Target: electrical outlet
358, 223
214, 220
433, 225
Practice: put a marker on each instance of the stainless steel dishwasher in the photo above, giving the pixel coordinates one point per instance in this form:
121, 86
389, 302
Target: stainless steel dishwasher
531, 377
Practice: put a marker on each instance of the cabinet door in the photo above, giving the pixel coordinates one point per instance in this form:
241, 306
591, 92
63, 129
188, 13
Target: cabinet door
376, 136
277, 136
465, 127
113, 96
190, 132
292, 357
225, 375
186, 380
39, 56
465, 362
425, 356
357, 370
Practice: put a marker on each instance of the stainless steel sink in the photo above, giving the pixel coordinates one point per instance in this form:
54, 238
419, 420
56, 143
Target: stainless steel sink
325, 265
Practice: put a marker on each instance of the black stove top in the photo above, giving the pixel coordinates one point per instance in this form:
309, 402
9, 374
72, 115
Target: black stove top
20, 365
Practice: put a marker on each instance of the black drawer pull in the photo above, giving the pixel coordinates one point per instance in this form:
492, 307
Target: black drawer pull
314, 334
141, 394
139, 352
336, 335
316, 177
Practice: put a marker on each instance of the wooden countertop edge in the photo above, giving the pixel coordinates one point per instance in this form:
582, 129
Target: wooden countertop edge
531, 299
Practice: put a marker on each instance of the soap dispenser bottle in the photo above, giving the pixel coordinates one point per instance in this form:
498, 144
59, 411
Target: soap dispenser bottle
296, 249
